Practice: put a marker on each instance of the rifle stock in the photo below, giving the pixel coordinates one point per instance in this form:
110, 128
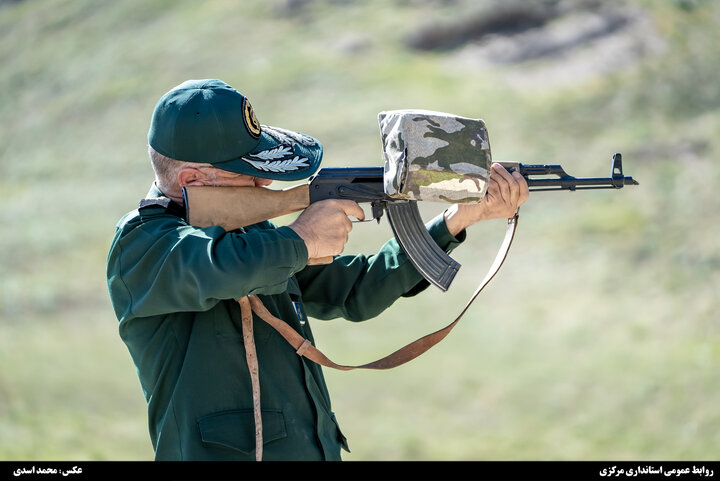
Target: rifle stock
235, 207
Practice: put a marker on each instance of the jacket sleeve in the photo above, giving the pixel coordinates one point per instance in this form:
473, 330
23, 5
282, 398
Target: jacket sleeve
162, 265
358, 288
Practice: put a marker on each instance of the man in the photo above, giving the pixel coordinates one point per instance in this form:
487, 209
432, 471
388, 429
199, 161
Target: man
173, 286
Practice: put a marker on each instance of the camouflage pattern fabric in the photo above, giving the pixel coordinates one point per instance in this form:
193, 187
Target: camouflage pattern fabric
434, 156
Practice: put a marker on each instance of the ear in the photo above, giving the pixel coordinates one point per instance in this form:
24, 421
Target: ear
190, 176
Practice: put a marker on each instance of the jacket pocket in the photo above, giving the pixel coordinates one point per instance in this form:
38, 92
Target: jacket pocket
236, 429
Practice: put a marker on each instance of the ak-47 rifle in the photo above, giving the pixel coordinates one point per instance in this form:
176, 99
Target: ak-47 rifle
235, 207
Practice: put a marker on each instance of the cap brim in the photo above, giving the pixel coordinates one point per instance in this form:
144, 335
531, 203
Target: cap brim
280, 155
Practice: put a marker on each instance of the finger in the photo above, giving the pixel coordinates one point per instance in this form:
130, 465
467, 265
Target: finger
502, 171
347, 223
514, 191
501, 174
493, 190
524, 189
515, 183
352, 208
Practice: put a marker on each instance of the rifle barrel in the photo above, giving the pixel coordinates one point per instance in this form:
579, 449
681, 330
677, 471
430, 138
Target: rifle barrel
561, 180
573, 183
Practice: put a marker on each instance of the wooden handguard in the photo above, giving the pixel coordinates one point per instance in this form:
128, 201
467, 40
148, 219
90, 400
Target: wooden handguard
235, 207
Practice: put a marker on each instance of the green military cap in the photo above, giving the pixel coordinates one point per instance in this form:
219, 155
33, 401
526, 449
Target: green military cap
208, 121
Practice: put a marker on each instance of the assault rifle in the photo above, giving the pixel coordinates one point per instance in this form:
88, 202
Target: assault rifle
235, 207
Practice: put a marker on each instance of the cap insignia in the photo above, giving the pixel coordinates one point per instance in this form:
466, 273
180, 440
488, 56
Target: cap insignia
287, 165
251, 123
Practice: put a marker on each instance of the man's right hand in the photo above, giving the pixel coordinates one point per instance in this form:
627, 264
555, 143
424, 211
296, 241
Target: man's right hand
325, 226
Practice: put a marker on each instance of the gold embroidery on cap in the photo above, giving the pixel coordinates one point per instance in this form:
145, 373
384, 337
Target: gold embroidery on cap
251, 121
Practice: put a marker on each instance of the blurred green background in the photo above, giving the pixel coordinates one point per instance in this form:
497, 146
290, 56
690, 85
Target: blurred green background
599, 339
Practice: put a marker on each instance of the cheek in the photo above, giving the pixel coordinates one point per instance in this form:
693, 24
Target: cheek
233, 181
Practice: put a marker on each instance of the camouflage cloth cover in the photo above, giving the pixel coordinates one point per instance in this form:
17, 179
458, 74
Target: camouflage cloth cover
434, 156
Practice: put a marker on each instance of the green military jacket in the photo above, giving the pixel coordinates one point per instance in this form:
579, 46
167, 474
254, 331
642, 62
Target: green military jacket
173, 287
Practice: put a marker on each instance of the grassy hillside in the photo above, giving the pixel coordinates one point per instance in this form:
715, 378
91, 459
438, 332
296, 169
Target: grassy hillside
599, 339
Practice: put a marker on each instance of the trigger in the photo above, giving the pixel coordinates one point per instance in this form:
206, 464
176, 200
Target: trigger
377, 210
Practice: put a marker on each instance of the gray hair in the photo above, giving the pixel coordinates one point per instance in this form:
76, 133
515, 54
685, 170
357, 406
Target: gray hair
166, 169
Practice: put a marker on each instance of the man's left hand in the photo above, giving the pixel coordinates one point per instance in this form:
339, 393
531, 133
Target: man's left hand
506, 193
